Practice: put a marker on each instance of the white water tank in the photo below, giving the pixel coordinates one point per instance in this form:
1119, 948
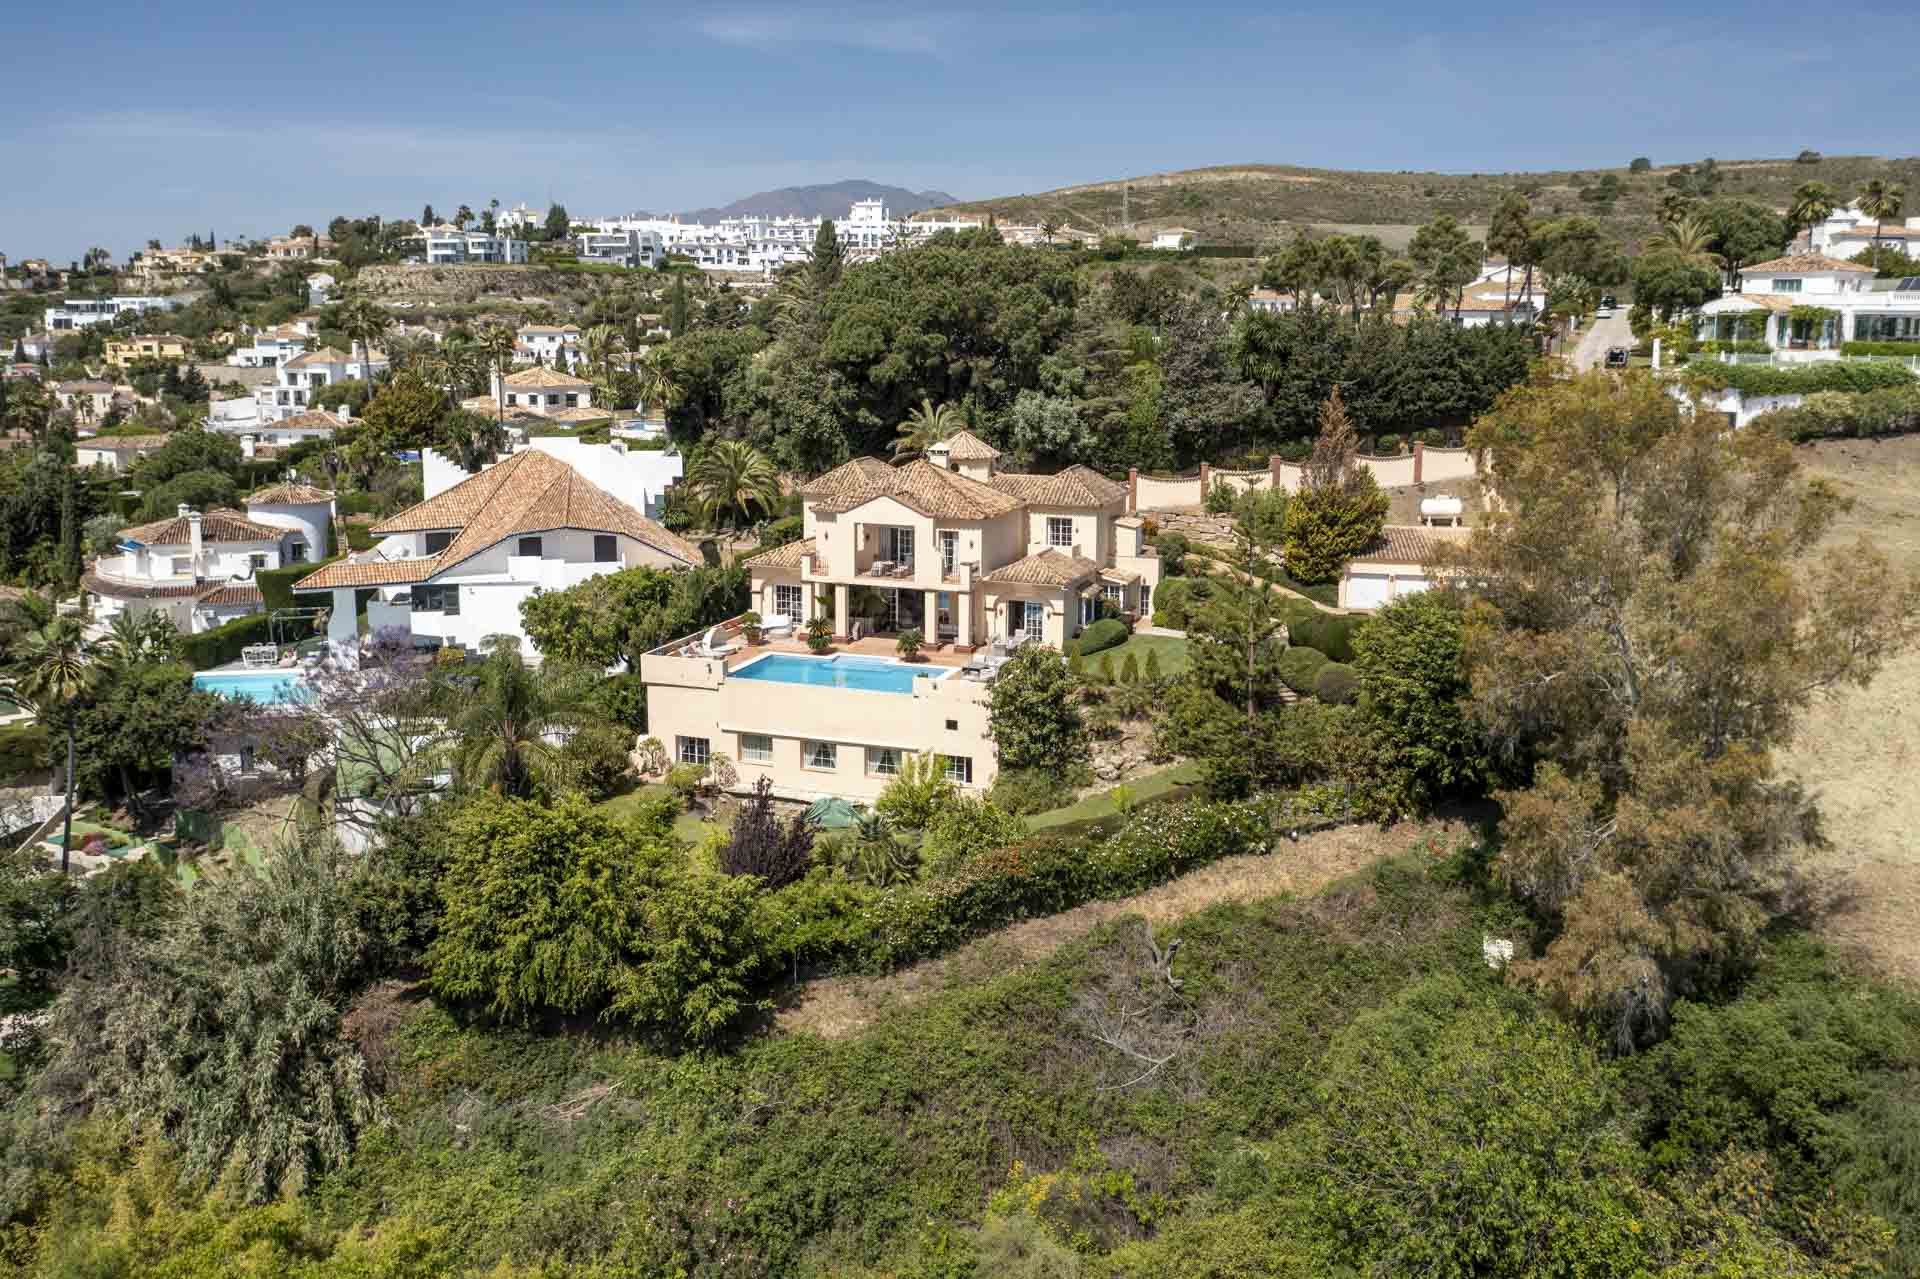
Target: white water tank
1441, 510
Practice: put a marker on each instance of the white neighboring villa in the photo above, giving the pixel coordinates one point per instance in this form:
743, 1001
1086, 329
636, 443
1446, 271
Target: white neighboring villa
548, 343
537, 392
455, 568
197, 568
947, 545
450, 245
273, 347
84, 313
1852, 304
1848, 231
299, 377
630, 247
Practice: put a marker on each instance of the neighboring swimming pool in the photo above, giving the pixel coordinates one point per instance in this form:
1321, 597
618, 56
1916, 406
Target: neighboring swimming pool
867, 674
266, 687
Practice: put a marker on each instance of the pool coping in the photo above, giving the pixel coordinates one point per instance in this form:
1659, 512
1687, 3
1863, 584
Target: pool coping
853, 659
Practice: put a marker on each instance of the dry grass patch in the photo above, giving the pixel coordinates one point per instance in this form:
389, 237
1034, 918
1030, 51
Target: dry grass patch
835, 1007
1860, 749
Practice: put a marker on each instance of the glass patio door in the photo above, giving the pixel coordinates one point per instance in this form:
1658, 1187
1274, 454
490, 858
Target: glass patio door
1033, 620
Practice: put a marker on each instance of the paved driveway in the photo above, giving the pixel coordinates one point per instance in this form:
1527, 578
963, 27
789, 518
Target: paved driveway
1601, 334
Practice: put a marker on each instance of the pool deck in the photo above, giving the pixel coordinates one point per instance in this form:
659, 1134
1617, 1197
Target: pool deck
880, 646
240, 668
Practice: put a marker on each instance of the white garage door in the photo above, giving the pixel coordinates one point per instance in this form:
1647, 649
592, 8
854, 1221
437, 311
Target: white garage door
1366, 590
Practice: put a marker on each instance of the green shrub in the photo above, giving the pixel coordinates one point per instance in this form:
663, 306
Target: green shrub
911, 799
1172, 549
1175, 601
1906, 350
1102, 635
1031, 713
967, 827
1030, 790
595, 759
1894, 411
1767, 379
1336, 684
23, 748
1299, 666
1151, 671
1331, 633
1130, 670
685, 780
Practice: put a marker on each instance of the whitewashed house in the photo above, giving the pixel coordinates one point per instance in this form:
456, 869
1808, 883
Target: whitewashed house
451, 246
1806, 305
1178, 238
320, 288
1395, 565
551, 344
628, 248
84, 313
455, 568
117, 453
298, 379
270, 348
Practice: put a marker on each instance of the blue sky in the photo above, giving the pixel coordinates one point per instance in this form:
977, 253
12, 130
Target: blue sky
130, 121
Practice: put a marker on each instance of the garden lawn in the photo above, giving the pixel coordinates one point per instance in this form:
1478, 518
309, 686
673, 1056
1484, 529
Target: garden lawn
1152, 786
1172, 651
690, 827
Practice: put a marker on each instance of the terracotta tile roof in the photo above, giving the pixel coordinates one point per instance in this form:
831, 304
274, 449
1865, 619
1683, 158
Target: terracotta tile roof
579, 415
311, 420
215, 526
374, 572
788, 555
480, 404
332, 355
135, 590
1075, 486
1045, 568
530, 492
231, 594
1888, 233
1115, 575
965, 446
1407, 544
1805, 262
846, 478
289, 493
549, 328
926, 488
1769, 301
88, 386
538, 377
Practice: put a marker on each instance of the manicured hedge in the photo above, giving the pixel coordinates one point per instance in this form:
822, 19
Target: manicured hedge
1905, 350
1895, 411
1331, 633
1299, 666
1051, 873
1768, 379
1107, 633
223, 643
1336, 684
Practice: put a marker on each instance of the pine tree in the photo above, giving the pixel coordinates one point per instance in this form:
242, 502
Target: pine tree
1130, 670
1152, 670
828, 257
426, 216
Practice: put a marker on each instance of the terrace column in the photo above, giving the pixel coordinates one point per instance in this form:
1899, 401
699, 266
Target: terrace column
963, 618
930, 620
840, 631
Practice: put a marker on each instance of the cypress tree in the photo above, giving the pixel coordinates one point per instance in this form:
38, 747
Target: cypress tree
70, 556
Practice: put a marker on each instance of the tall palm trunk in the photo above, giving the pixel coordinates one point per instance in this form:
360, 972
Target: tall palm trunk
66, 832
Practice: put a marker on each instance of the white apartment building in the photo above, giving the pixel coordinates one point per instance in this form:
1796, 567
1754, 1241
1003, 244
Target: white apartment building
629, 248
764, 244
84, 313
450, 246
299, 377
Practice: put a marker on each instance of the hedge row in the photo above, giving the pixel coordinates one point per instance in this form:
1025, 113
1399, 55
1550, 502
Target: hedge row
1905, 350
1108, 632
1050, 873
1768, 379
1894, 411
224, 643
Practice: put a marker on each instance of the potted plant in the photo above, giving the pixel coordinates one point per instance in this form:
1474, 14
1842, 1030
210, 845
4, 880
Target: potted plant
750, 627
908, 645
819, 635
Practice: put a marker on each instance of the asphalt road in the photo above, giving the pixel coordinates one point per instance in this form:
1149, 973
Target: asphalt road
1601, 334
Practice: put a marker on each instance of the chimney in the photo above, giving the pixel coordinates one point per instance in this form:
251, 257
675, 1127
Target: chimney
196, 540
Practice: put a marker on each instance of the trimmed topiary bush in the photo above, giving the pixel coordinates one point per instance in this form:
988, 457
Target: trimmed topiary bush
1328, 632
1108, 633
1299, 666
1336, 684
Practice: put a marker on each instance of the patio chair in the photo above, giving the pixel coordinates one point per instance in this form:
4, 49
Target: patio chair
779, 626
260, 655
714, 644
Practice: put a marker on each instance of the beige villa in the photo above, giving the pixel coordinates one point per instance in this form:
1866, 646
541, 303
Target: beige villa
972, 557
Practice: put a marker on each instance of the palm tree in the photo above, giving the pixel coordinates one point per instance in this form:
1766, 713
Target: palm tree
54, 673
1048, 229
503, 724
926, 426
1812, 203
1673, 207
731, 477
1881, 200
365, 323
496, 345
1688, 235
658, 385
600, 344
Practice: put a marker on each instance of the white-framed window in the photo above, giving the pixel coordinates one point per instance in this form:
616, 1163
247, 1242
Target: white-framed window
182, 565
1787, 286
897, 542
1089, 610
756, 748
789, 601
1059, 531
692, 750
1146, 598
883, 761
949, 551
257, 560
820, 756
1114, 595
959, 768
1033, 618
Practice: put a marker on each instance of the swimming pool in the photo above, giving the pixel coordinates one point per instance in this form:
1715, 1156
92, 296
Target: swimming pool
866, 674
266, 687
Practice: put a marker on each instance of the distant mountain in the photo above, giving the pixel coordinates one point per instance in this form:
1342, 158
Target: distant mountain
824, 200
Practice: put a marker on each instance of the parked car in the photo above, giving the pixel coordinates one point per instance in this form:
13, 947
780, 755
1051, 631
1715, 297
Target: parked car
1616, 357
1607, 302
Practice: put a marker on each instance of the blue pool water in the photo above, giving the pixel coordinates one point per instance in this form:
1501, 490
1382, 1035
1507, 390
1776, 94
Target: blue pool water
267, 687
868, 674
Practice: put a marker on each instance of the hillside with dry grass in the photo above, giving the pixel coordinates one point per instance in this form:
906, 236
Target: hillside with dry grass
1260, 203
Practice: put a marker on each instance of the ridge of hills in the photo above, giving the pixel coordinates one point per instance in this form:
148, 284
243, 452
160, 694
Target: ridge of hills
1259, 204
822, 200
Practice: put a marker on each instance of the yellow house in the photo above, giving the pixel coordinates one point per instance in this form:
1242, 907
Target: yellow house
971, 557
162, 346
